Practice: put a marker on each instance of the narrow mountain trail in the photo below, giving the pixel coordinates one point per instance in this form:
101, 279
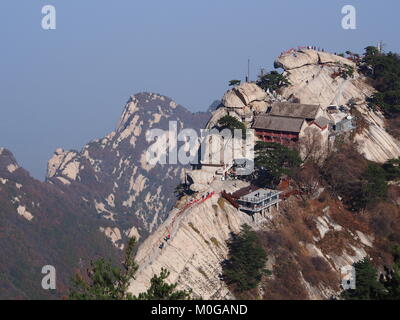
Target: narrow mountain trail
172, 228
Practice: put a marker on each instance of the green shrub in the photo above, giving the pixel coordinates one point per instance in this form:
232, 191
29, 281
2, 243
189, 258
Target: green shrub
246, 262
273, 81
231, 123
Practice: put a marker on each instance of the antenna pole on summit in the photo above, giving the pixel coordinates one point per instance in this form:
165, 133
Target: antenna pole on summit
248, 70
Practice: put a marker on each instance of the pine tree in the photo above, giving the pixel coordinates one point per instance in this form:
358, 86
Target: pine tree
246, 263
105, 281
274, 160
160, 290
273, 81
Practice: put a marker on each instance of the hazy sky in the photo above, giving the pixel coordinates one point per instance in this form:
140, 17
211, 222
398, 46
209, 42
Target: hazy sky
65, 87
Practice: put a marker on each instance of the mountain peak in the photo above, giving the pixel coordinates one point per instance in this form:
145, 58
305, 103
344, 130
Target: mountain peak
145, 105
7, 161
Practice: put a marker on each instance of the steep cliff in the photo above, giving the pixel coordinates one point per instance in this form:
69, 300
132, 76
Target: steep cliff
199, 232
198, 227
307, 242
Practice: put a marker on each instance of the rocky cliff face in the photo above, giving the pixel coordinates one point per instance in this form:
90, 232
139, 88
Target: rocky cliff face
134, 195
314, 80
199, 227
307, 245
92, 199
199, 232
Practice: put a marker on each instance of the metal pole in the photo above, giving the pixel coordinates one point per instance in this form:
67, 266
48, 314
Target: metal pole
248, 70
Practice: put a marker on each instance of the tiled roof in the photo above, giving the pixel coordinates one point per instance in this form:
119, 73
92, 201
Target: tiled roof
276, 123
294, 110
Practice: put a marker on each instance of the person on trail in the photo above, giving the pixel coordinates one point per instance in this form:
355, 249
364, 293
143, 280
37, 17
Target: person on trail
161, 245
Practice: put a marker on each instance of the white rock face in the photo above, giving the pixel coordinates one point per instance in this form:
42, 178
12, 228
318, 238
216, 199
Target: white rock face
326, 57
305, 57
376, 143
195, 251
25, 213
216, 115
12, 167
63, 162
133, 232
114, 234
313, 84
130, 109
101, 209
110, 200
241, 102
63, 180
242, 95
201, 179
310, 73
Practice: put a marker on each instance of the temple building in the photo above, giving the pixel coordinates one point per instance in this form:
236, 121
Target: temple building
284, 122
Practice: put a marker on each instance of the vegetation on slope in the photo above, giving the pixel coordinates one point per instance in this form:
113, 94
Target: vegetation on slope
384, 70
359, 182
105, 281
62, 234
348, 179
231, 123
245, 266
371, 286
274, 160
272, 81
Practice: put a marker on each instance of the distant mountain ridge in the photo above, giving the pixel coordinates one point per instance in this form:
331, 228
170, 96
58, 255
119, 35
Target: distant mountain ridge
91, 201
